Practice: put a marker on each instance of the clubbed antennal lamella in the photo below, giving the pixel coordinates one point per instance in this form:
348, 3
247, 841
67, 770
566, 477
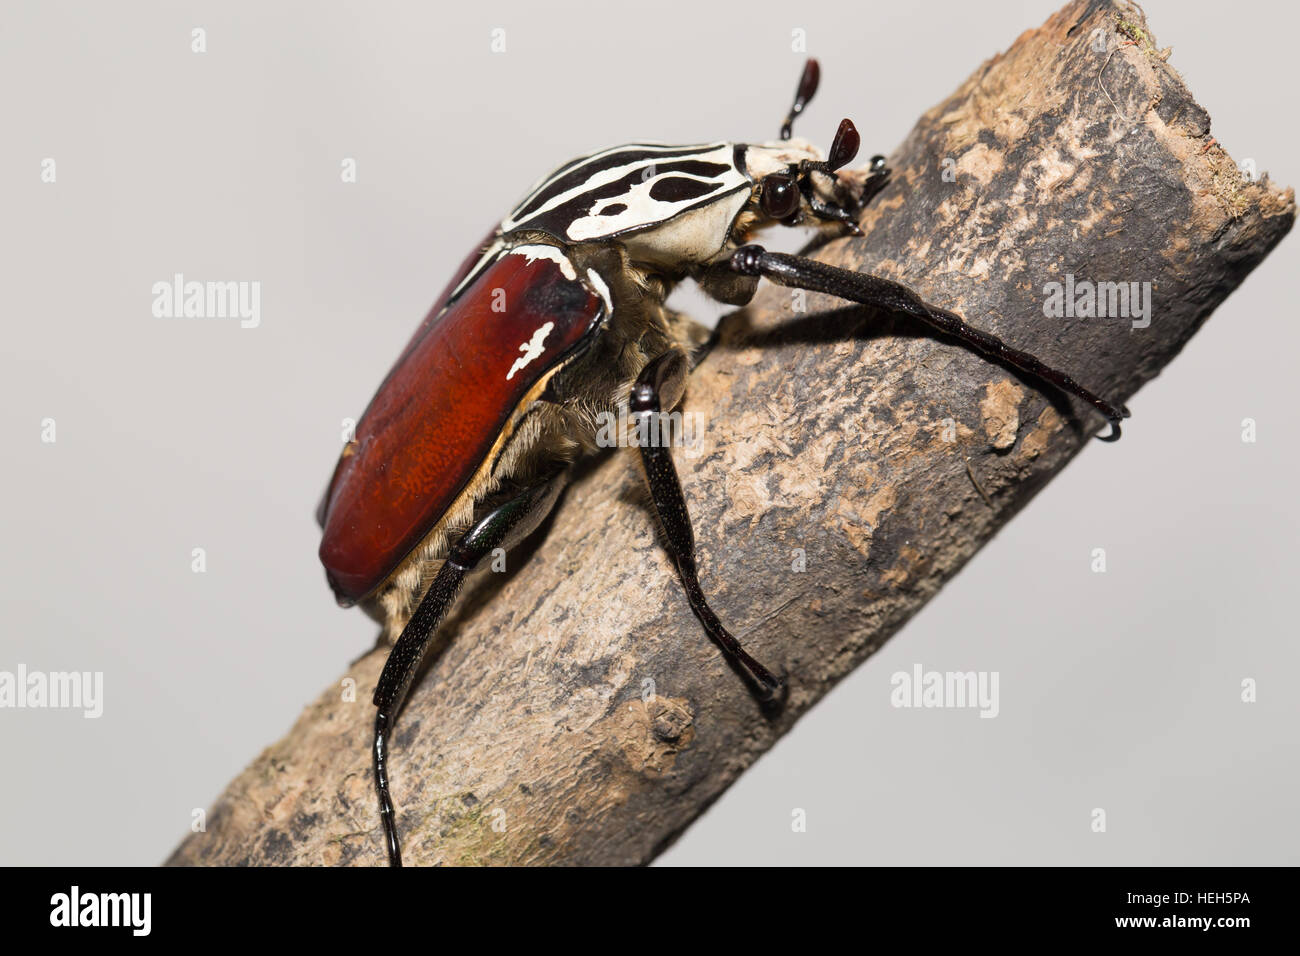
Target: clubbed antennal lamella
812, 74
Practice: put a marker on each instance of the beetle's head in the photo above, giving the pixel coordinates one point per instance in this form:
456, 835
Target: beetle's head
794, 185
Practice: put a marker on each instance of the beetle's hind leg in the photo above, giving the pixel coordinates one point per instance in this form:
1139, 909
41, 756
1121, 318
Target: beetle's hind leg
663, 376
801, 273
503, 527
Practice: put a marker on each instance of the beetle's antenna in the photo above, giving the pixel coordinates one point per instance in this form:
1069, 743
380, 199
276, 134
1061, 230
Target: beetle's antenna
812, 74
844, 146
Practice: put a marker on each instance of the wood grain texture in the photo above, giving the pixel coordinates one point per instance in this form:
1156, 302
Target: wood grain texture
888, 457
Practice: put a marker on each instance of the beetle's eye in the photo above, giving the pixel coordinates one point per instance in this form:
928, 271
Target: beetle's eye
780, 196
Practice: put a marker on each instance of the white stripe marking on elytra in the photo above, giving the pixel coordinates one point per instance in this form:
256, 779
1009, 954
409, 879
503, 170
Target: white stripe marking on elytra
531, 349
601, 288
547, 252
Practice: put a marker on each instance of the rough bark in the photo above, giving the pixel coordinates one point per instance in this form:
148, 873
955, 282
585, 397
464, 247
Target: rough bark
886, 456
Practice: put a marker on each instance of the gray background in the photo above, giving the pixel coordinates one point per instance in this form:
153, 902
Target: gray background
1118, 690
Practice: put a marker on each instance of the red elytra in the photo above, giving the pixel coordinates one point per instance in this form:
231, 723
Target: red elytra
439, 304
440, 410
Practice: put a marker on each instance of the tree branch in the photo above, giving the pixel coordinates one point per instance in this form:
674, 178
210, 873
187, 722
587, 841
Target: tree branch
882, 456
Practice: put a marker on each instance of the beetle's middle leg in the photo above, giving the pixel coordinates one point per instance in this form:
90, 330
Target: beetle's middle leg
503, 527
664, 376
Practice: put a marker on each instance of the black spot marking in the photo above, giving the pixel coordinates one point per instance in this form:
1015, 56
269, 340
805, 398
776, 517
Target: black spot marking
678, 189
696, 167
614, 209
556, 297
558, 219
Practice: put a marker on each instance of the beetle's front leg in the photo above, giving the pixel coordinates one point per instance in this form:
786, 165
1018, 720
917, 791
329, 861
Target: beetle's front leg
664, 376
802, 273
503, 527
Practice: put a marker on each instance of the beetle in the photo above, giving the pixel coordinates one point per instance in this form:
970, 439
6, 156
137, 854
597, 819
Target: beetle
558, 321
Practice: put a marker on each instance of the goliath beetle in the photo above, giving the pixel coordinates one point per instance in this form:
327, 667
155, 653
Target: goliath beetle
558, 318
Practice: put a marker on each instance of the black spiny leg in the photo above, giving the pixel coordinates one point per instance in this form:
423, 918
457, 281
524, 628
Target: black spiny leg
503, 527
801, 273
666, 490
